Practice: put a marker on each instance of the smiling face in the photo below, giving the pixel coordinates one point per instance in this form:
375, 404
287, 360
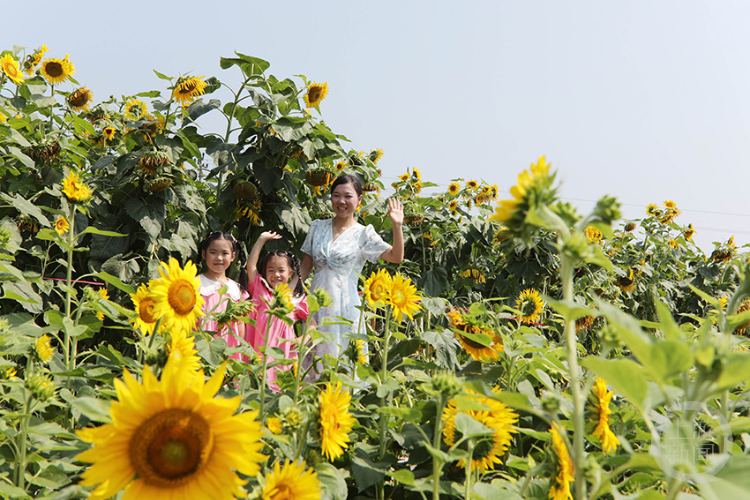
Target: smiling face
218, 257
278, 270
345, 200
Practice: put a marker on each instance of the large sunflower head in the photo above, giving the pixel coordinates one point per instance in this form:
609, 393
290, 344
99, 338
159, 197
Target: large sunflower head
316, 92
188, 89
497, 417
530, 304
335, 420
292, 482
80, 99
403, 297
144, 306
377, 287
33, 60
56, 70
178, 302
10, 68
171, 438
75, 190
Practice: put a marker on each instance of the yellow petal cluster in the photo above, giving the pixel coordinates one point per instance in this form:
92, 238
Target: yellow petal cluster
526, 180
560, 485
11, 69
75, 190
335, 420
603, 397
62, 225
177, 300
292, 482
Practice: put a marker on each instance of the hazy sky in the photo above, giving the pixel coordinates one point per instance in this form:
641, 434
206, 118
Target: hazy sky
646, 101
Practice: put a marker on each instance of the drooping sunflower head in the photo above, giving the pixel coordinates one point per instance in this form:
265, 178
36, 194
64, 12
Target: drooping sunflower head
403, 297
475, 274
11, 69
593, 234
144, 306
498, 417
56, 70
534, 189
33, 60
75, 190
171, 438
376, 155
377, 287
177, 300
626, 283
335, 420
44, 349
292, 482
564, 475
135, 109
188, 89
80, 99
530, 305
61, 225
316, 92
689, 232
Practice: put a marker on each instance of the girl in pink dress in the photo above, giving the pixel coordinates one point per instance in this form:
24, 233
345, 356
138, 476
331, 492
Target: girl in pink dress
277, 267
219, 250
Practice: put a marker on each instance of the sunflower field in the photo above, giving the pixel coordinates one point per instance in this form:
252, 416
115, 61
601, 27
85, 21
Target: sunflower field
522, 350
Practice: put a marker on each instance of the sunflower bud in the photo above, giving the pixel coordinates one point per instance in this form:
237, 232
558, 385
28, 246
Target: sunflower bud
293, 417
42, 387
576, 246
313, 457
607, 209
8, 373
444, 384
322, 297
5, 236
551, 404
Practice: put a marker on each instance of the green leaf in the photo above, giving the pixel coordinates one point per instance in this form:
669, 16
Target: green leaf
26, 207
367, 471
404, 476
162, 76
735, 369
100, 232
569, 310
332, 481
470, 428
668, 325
115, 282
435, 281
96, 410
624, 375
733, 480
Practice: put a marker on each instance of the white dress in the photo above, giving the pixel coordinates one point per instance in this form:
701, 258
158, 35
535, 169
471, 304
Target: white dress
337, 266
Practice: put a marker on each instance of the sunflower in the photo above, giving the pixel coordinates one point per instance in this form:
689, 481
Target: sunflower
670, 204
454, 188
32, 61
584, 323
109, 133
80, 99
403, 177
11, 69
536, 179
188, 89
652, 209
335, 420
403, 297
472, 185
316, 92
476, 274
530, 304
178, 302
593, 234
282, 299
135, 109
144, 306
560, 485
360, 351
673, 243
101, 294
603, 397
273, 424
44, 348
182, 347
745, 306
630, 227
626, 283
292, 482
689, 232
56, 70
376, 155
377, 287
75, 190
340, 166
172, 438
497, 417
479, 352
453, 206
62, 226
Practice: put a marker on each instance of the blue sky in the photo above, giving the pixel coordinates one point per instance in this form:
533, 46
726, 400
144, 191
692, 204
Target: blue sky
646, 101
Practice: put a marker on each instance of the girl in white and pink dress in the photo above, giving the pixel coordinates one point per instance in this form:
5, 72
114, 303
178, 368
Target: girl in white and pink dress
219, 250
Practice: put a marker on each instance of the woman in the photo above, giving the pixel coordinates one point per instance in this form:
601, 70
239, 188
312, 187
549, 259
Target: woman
337, 249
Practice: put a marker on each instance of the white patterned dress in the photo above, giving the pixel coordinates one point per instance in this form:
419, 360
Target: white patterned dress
337, 265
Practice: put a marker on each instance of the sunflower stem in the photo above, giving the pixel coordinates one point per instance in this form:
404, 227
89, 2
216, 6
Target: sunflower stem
265, 364
69, 361
383, 380
467, 482
437, 464
21, 444
567, 269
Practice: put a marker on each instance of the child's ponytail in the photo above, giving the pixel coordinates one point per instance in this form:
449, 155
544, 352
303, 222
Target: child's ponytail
299, 290
242, 258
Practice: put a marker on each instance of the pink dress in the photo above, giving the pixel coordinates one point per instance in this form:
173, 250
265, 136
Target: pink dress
217, 303
280, 333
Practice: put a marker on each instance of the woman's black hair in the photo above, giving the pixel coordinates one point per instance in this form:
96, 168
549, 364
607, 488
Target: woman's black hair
348, 179
299, 290
236, 248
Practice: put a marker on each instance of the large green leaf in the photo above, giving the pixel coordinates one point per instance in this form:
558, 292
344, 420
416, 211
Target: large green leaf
627, 377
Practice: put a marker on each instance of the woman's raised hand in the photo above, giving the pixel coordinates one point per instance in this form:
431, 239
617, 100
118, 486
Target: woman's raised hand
395, 211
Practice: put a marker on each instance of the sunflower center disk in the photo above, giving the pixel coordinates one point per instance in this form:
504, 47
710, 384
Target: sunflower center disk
170, 447
146, 311
182, 297
54, 69
282, 492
